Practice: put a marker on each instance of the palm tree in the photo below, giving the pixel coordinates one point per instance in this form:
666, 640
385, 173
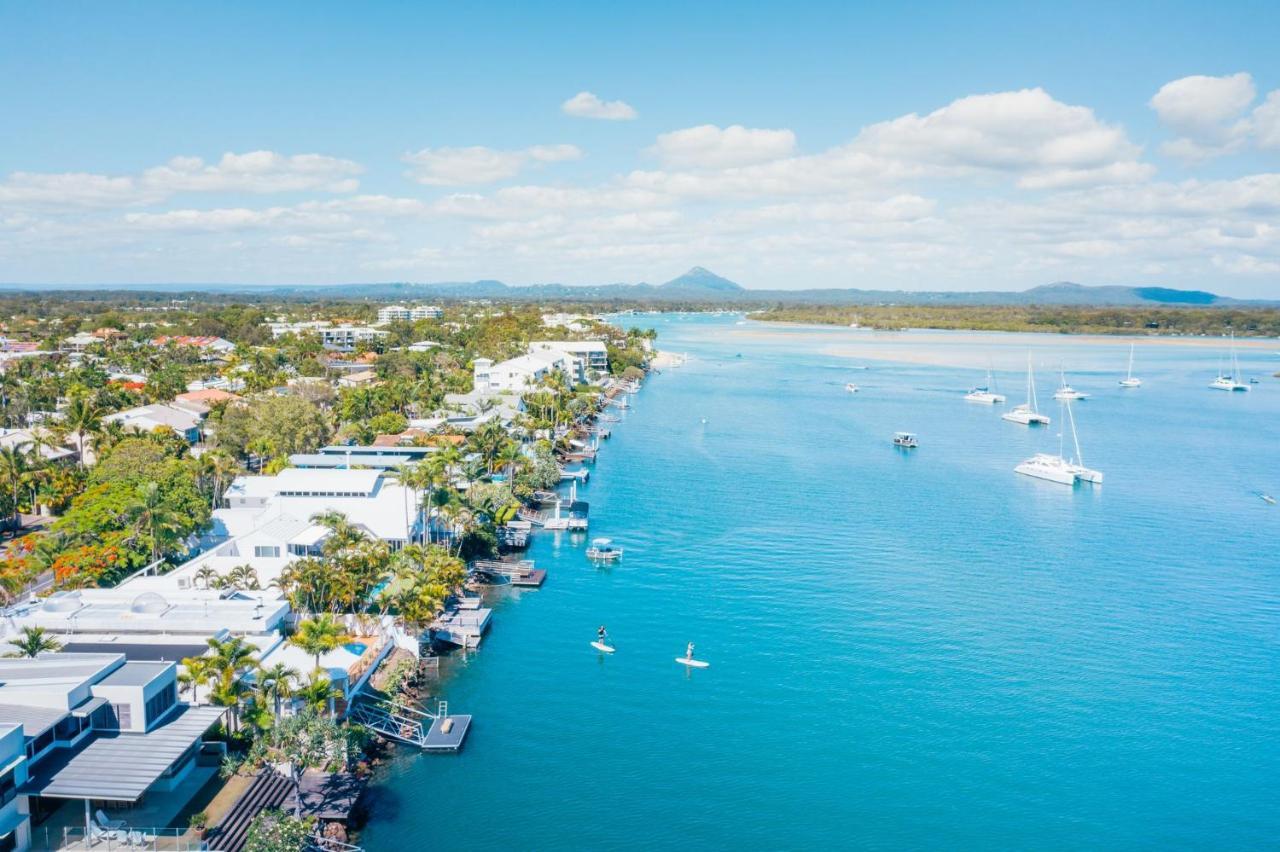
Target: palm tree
243, 577
206, 575
276, 683
197, 671
33, 641
156, 518
317, 692
15, 465
219, 467
319, 635
82, 417
230, 658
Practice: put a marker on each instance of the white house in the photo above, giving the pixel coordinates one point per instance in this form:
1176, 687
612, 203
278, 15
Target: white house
520, 373
591, 356
185, 420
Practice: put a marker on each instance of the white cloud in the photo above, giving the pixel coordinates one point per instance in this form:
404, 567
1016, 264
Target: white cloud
257, 172
588, 105
1206, 113
479, 165
1045, 142
254, 172
1266, 121
710, 147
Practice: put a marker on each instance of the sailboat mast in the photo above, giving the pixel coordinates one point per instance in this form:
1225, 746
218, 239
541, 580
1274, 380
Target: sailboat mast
1075, 439
1130, 375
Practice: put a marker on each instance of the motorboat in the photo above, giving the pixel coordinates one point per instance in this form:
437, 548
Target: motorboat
1129, 381
1026, 413
602, 549
1068, 392
905, 439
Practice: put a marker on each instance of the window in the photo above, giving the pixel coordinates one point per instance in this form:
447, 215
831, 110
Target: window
8, 788
124, 716
266, 550
159, 704
40, 743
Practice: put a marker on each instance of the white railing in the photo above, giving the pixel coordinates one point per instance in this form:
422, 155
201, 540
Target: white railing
106, 840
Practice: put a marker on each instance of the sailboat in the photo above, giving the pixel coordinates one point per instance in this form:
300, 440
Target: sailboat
1058, 468
984, 394
1066, 391
1129, 381
1026, 413
1232, 381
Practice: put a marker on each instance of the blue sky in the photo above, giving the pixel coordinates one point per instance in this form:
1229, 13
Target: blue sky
783, 145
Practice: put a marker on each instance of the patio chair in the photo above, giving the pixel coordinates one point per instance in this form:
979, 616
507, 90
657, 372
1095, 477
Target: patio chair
99, 834
104, 822
141, 839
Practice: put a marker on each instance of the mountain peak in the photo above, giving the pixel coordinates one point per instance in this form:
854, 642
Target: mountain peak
704, 280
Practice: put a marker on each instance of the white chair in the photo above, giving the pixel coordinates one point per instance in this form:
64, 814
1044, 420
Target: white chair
99, 834
104, 822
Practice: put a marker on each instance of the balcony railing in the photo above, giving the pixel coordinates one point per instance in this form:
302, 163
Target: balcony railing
106, 840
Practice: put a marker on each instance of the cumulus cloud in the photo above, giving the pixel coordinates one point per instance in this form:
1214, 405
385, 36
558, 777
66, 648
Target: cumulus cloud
588, 105
1266, 121
1207, 113
1046, 143
480, 165
710, 147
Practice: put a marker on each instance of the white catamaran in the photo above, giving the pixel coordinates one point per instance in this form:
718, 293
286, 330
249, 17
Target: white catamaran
1129, 381
1026, 413
1059, 468
1231, 381
984, 394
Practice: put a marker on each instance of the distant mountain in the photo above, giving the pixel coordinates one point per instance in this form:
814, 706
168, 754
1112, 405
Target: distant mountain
700, 280
697, 286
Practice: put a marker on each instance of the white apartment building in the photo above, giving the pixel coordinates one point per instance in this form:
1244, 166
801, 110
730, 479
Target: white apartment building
401, 313
345, 338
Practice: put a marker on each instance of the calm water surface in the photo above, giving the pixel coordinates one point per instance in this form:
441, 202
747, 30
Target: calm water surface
908, 650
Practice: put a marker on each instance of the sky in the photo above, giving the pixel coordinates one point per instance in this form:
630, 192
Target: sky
920, 146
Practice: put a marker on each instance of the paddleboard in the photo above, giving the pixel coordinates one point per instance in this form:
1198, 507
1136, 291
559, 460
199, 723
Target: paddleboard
600, 646
693, 664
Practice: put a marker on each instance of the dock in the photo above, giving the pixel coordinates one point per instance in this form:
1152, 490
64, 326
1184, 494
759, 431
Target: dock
521, 573
436, 732
581, 474
463, 623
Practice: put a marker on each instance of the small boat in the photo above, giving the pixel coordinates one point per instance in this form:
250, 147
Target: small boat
1129, 381
1230, 381
905, 439
1068, 392
983, 394
1026, 412
851, 387
1268, 499
603, 550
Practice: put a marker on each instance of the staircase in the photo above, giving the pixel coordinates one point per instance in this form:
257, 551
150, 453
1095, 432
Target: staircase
269, 790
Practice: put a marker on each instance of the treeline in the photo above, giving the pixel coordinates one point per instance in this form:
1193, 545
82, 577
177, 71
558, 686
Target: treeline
1063, 319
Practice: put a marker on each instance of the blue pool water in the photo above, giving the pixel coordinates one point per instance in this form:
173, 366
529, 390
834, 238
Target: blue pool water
908, 649
356, 648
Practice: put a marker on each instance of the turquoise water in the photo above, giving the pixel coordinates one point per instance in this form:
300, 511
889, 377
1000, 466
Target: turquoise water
908, 650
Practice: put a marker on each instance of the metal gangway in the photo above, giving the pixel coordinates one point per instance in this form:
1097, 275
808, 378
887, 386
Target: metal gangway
437, 731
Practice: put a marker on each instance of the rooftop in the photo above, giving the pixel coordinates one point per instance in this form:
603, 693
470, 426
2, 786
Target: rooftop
135, 673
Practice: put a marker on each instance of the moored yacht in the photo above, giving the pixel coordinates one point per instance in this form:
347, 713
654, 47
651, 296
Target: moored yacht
1058, 468
1130, 381
905, 439
1230, 381
984, 394
1068, 392
1026, 412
